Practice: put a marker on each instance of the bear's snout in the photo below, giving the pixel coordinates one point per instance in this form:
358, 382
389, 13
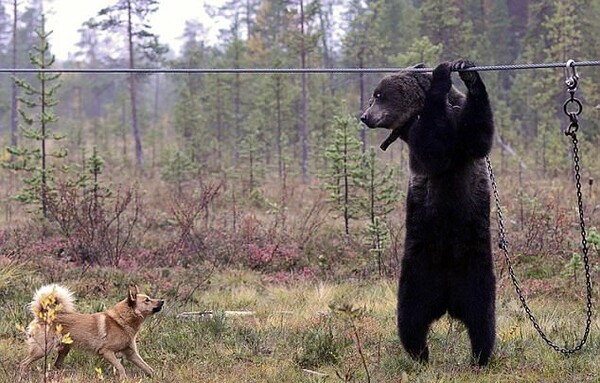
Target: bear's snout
365, 119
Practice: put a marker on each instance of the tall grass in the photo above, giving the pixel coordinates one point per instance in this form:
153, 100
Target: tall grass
297, 326
282, 255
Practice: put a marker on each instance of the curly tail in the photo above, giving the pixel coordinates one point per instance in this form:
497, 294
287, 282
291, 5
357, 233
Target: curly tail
52, 294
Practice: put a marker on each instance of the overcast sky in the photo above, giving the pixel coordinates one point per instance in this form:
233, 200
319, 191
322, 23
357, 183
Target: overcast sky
64, 18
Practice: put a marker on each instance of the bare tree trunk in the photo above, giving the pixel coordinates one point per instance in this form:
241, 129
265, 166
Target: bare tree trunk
237, 104
361, 76
304, 100
139, 155
219, 122
123, 134
346, 180
43, 96
14, 118
156, 115
324, 21
156, 118
279, 131
248, 19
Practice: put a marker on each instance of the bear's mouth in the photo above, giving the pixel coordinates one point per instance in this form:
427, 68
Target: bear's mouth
374, 120
378, 124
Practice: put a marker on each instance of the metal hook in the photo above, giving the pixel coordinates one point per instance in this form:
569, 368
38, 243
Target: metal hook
572, 76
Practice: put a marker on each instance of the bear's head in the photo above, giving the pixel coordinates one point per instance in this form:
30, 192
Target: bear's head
396, 100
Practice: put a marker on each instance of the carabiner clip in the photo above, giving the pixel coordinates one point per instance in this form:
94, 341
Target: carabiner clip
572, 76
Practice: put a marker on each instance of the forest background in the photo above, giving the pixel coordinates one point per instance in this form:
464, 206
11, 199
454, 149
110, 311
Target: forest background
175, 180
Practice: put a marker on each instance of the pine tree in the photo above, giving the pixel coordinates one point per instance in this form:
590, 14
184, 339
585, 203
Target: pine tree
251, 169
382, 195
500, 36
362, 46
422, 50
178, 169
190, 109
441, 21
128, 16
345, 169
232, 99
553, 35
303, 39
41, 98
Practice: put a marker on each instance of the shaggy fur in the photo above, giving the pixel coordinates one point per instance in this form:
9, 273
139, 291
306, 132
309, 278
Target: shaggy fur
447, 264
104, 333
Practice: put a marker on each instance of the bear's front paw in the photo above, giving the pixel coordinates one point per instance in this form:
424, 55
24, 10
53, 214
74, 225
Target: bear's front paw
469, 78
441, 81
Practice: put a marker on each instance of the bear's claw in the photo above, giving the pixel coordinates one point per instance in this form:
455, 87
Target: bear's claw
469, 78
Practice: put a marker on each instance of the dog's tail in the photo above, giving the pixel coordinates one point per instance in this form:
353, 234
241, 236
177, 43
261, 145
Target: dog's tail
52, 296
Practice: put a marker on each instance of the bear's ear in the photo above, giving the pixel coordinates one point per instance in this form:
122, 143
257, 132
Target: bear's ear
419, 65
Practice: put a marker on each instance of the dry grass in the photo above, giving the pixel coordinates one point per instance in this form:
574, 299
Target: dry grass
202, 264
294, 327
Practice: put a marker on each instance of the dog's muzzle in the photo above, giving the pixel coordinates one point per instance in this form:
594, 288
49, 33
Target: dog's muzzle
159, 307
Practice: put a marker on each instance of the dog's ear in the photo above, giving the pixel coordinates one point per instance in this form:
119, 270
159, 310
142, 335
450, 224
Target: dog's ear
132, 295
419, 65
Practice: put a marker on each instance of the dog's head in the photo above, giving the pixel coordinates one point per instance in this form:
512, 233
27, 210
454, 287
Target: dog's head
142, 304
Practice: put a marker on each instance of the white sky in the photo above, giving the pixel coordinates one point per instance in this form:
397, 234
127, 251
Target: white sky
65, 17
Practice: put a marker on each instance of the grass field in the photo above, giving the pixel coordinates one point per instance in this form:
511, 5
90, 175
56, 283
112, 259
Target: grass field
322, 305
305, 330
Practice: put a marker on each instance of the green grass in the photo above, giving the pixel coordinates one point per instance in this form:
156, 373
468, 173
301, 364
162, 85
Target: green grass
294, 328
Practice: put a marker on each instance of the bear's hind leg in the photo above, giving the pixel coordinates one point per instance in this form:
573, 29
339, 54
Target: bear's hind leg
482, 332
413, 335
421, 300
473, 303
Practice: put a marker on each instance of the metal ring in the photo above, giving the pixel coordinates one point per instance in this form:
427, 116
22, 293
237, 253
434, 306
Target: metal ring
576, 111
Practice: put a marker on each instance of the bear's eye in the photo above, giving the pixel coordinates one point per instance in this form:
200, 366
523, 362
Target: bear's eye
377, 95
147, 300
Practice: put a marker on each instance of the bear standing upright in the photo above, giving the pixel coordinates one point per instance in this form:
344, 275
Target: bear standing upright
447, 264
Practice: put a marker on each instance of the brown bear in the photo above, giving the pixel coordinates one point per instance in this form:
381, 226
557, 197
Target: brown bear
447, 264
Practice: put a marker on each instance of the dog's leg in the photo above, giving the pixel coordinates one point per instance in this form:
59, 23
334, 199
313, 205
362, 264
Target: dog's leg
135, 358
35, 353
112, 359
63, 350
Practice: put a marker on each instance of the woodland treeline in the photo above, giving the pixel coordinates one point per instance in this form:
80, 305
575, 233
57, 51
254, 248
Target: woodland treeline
284, 121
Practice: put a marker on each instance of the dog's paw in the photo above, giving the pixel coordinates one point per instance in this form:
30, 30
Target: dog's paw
469, 78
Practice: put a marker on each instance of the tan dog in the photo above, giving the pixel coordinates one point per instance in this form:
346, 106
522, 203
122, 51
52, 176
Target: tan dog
104, 333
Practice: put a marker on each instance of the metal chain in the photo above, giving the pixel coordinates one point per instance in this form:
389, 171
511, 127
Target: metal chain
571, 131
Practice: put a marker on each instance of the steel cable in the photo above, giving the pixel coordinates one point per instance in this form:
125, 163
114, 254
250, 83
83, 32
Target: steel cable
285, 70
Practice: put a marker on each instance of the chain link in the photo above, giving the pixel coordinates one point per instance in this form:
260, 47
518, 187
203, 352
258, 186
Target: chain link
571, 131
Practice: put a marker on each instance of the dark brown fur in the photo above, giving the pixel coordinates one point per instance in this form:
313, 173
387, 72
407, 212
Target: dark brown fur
447, 264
